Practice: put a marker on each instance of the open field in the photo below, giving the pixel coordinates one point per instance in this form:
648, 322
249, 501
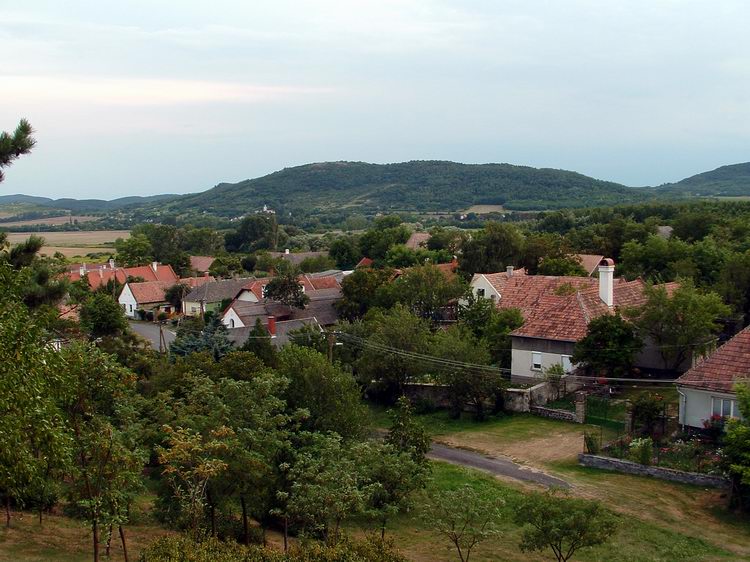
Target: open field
485, 209
74, 243
52, 221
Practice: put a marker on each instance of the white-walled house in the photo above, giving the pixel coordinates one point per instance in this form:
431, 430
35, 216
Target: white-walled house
557, 311
707, 389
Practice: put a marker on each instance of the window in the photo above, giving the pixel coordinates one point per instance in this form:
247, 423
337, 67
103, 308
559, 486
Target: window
480, 293
131, 307
725, 407
231, 322
193, 309
536, 361
567, 364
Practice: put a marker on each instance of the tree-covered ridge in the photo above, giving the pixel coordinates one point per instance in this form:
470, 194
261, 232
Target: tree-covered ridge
728, 181
416, 185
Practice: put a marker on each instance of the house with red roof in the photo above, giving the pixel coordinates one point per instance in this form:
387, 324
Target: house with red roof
100, 275
557, 311
251, 304
707, 390
150, 295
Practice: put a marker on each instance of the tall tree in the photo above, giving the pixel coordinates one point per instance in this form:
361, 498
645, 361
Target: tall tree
492, 249
13, 145
330, 395
106, 464
427, 290
609, 347
101, 316
32, 375
388, 362
682, 325
133, 251
286, 289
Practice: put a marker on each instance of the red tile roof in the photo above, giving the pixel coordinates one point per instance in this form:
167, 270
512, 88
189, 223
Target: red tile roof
418, 240
194, 282
149, 292
566, 317
101, 276
364, 262
524, 291
589, 262
201, 264
723, 368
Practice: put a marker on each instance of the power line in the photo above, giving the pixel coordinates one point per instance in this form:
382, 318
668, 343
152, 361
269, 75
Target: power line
444, 363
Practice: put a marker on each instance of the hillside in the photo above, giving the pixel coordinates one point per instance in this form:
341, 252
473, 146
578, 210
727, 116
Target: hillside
419, 185
79, 205
726, 181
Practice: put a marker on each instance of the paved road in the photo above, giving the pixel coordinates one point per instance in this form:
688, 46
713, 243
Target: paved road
150, 331
494, 465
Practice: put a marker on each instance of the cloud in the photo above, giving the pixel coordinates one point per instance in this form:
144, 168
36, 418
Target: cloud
143, 92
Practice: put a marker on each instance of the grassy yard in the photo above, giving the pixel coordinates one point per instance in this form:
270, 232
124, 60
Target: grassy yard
635, 540
672, 509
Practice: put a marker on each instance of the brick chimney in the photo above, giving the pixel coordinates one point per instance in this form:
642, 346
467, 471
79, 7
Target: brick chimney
607, 281
272, 326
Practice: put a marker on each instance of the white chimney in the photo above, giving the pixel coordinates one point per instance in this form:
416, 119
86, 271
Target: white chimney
111, 263
155, 266
82, 270
509, 271
607, 281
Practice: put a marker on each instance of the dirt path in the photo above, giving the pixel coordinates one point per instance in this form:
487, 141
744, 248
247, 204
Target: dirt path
497, 466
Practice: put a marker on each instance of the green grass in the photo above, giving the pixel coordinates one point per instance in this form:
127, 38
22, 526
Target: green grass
635, 540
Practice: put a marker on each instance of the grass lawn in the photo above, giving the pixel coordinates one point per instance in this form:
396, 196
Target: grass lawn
553, 446
635, 540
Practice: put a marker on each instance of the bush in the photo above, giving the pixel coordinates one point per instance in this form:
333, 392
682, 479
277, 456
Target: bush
424, 405
591, 442
162, 316
641, 450
184, 549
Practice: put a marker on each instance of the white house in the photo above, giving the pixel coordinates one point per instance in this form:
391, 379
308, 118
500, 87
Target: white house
707, 389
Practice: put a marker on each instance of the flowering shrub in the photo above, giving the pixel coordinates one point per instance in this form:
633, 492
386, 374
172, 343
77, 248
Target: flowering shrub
714, 427
641, 450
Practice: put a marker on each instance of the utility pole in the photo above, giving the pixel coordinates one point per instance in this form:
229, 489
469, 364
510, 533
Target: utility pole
331, 342
162, 341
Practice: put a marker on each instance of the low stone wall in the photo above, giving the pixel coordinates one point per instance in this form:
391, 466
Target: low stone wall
629, 467
435, 393
554, 413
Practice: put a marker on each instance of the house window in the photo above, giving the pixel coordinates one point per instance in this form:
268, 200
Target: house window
536, 361
493, 298
725, 407
231, 322
480, 293
193, 309
131, 307
567, 364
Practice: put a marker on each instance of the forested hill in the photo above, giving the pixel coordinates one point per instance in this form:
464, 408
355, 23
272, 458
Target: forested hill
418, 185
728, 181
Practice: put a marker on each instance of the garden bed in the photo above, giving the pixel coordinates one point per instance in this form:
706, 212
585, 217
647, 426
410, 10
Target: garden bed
689, 455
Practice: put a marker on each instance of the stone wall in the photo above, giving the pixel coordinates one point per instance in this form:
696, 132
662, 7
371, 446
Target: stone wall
629, 467
522, 399
435, 393
553, 413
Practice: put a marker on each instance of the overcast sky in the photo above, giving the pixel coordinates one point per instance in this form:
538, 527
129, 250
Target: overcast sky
144, 97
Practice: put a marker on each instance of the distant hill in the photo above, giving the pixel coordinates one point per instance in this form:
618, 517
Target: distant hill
727, 181
408, 186
81, 205
417, 185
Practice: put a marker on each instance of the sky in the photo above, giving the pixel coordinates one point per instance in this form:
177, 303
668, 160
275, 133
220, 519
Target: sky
144, 97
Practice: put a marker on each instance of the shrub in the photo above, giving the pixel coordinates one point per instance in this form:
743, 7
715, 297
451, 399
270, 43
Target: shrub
424, 405
642, 450
591, 442
162, 316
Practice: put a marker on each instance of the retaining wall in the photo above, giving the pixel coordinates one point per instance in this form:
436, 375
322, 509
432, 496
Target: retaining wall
630, 467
